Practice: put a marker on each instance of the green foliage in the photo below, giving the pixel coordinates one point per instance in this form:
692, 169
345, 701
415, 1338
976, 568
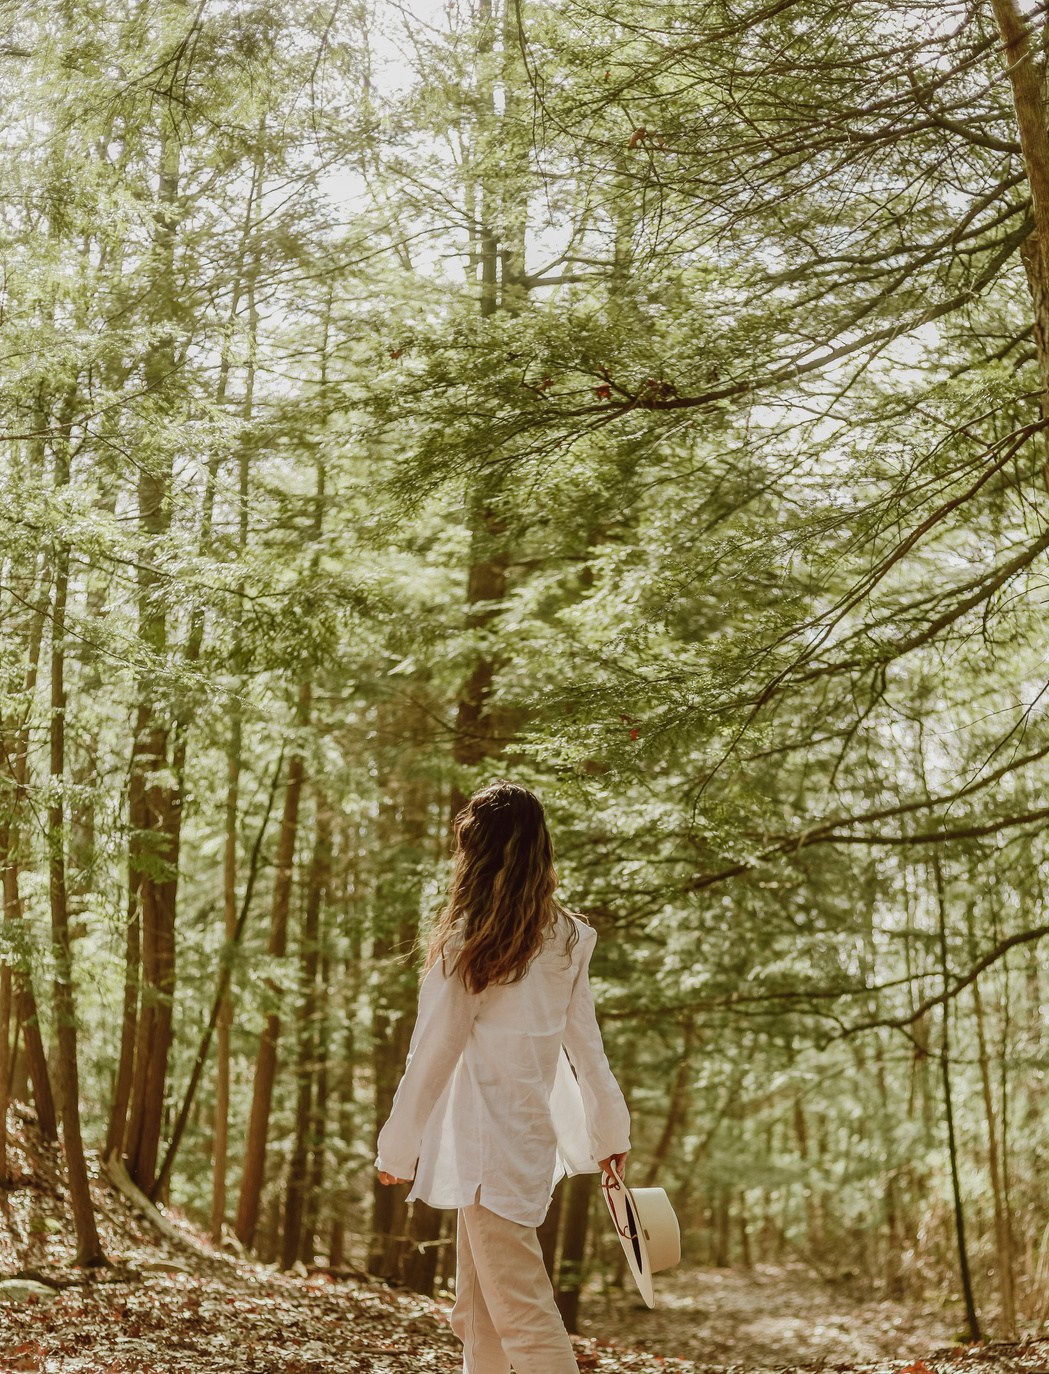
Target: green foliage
391, 357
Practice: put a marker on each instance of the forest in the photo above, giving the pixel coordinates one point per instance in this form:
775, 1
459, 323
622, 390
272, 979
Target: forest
647, 403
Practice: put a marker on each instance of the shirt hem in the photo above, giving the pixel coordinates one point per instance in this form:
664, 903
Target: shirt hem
528, 1217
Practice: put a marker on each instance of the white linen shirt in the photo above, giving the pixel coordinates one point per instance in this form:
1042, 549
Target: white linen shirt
489, 1109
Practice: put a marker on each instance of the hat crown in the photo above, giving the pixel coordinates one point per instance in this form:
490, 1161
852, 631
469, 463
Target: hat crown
659, 1225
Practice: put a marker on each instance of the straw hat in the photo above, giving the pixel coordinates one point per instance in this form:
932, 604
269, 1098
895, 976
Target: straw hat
647, 1230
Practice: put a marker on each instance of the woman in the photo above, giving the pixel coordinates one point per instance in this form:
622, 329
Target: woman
490, 1113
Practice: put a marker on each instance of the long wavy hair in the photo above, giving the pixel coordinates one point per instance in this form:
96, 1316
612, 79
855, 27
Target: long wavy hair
500, 906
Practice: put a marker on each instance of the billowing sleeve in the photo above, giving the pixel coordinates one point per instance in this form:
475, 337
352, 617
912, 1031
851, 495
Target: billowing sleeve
607, 1117
446, 1016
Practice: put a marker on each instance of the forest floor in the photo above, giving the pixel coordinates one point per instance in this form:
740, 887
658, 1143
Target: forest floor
175, 1306
772, 1317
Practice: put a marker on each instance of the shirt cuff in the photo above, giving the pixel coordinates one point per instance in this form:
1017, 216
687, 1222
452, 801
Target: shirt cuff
406, 1171
611, 1145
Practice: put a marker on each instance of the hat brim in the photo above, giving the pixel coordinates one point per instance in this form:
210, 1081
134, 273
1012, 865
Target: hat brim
623, 1210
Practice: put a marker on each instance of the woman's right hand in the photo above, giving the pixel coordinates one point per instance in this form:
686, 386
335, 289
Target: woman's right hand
389, 1180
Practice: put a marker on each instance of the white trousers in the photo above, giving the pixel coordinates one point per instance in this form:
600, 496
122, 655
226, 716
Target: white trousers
504, 1312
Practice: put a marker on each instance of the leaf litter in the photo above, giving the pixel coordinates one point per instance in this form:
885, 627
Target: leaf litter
194, 1308
185, 1309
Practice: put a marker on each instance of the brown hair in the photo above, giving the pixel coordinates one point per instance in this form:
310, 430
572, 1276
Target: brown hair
501, 904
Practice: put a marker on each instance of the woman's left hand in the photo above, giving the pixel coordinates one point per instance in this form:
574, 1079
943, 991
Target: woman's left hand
605, 1165
389, 1179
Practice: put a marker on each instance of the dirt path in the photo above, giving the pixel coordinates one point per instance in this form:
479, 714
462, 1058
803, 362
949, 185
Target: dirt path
769, 1318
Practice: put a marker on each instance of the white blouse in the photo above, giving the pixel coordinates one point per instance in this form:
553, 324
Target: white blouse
490, 1109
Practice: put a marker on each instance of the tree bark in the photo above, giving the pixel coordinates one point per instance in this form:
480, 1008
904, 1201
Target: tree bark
229, 871
158, 926
225, 1016
402, 837
28, 1018
319, 1121
345, 1097
477, 731
132, 972
420, 1264
1002, 1237
573, 1249
392, 1028
309, 952
24, 996
724, 1219
337, 1243
1025, 80
677, 1110
89, 1251
547, 1232
745, 1257
154, 853
221, 995
477, 734
952, 1146
266, 1063
5, 1066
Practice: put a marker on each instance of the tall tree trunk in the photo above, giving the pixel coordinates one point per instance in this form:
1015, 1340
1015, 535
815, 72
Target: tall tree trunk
26, 1010
266, 1063
158, 883
479, 733
221, 995
489, 198
347, 1130
5, 1065
420, 1256
952, 1145
959, 1216
389, 1227
513, 210
316, 892
140, 949
677, 1110
220, 1151
573, 1249
1026, 82
154, 850
745, 1259
402, 837
319, 1121
1002, 1237
89, 1251
1005, 1101
476, 733
159, 908
548, 1231
391, 1033
225, 1022
723, 1233
24, 996
132, 964
225, 1017
420, 1263
886, 1120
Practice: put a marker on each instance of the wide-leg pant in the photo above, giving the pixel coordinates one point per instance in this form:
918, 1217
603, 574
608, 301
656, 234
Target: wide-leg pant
504, 1312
